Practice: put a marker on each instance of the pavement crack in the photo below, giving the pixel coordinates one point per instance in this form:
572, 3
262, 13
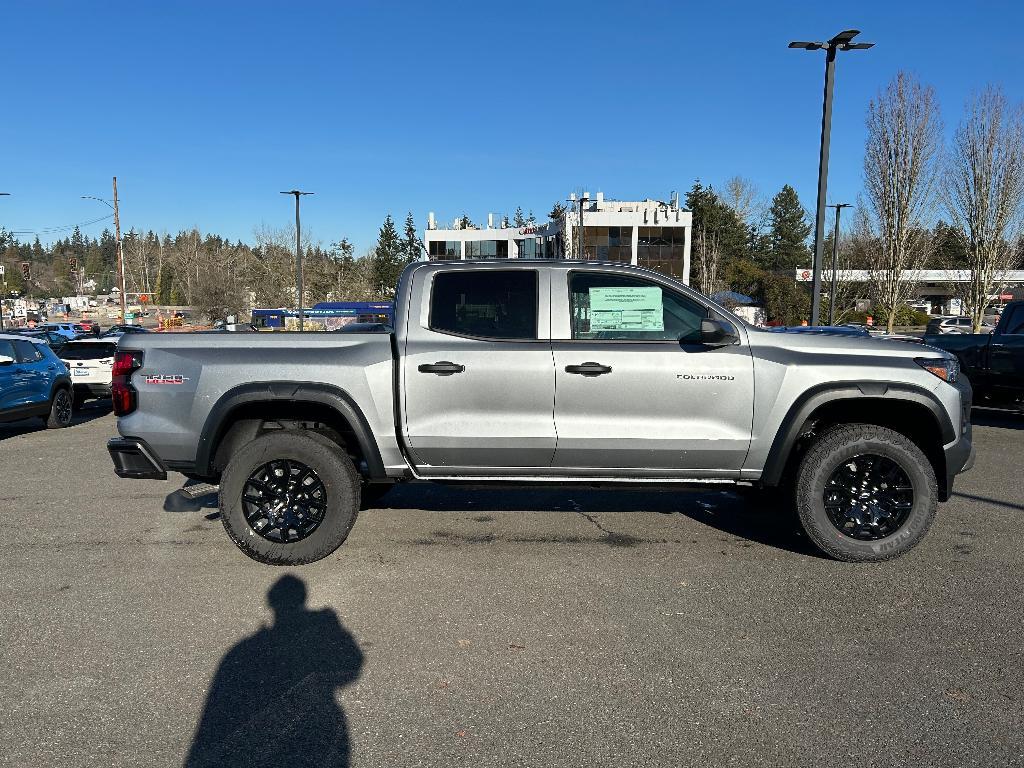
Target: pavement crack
611, 538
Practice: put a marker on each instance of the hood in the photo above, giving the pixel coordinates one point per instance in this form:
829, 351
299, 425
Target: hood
825, 343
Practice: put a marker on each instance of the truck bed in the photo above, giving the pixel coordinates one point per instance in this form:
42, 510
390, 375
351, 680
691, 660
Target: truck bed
187, 377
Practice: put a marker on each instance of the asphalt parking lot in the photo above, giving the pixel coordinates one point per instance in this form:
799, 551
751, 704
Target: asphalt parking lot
498, 627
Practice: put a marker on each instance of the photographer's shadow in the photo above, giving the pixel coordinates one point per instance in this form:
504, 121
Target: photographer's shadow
273, 700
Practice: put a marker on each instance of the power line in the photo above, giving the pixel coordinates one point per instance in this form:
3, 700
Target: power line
62, 228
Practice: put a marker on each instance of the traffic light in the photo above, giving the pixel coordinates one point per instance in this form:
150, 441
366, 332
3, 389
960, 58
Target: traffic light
26, 270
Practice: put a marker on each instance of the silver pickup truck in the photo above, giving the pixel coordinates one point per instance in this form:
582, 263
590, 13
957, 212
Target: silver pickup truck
545, 372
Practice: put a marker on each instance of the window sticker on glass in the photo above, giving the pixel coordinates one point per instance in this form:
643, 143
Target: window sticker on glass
627, 308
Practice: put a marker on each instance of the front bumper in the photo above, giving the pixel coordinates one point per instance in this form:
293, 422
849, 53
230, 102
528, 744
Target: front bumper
133, 458
960, 456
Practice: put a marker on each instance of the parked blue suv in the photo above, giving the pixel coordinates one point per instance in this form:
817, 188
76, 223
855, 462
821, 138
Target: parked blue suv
33, 382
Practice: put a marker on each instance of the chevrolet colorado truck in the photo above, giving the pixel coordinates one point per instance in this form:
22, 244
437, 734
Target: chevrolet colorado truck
994, 362
553, 372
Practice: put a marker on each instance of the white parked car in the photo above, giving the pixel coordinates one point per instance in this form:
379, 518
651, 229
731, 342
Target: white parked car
954, 324
90, 364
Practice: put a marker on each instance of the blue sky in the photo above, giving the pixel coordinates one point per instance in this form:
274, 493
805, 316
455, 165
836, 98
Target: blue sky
205, 110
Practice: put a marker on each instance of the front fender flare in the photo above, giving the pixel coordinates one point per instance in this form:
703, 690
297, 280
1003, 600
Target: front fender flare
814, 398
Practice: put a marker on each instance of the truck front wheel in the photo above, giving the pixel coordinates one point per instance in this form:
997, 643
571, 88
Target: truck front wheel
289, 498
865, 493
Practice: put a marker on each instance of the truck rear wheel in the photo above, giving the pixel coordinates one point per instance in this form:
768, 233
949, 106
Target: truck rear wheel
865, 493
289, 498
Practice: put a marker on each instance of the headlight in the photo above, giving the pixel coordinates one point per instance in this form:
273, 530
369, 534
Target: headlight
947, 369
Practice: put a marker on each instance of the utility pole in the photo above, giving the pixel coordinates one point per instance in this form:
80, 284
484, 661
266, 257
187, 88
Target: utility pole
841, 42
298, 253
3, 279
584, 197
120, 254
835, 261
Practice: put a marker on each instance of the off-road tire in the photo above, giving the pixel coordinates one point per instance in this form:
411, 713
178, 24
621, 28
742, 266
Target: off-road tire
61, 407
333, 468
840, 444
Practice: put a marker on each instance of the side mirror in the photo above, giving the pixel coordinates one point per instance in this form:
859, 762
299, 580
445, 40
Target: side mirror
5, 360
715, 333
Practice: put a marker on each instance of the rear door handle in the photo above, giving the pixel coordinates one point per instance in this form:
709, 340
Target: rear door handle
442, 368
589, 369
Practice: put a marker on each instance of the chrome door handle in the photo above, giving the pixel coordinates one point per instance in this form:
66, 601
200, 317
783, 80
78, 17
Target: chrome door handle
589, 369
442, 368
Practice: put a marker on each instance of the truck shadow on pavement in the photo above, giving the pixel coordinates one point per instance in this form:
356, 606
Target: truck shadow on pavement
745, 520
273, 700
95, 409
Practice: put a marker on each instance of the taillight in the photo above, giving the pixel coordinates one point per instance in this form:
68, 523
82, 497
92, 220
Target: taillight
126, 362
122, 393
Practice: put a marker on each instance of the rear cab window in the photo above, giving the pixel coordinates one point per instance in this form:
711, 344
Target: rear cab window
487, 304
614, 307
87, 351
1014, 324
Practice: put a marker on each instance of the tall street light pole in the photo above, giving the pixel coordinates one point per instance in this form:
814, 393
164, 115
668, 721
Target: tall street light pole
835, 261
3, 279
841, 42
298, 253
117, 242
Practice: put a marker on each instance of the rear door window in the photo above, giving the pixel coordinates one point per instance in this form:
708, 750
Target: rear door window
7, 349
27, 352
494, 304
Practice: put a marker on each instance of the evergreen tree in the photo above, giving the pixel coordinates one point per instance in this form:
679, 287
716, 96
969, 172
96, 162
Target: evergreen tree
518, 220
787, 239
412, 246
557, 212
77, 244
388, 259
466, 223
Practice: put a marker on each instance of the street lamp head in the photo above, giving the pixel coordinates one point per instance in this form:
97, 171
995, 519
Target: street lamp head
844, 37
806, 46
297, 192
857, 46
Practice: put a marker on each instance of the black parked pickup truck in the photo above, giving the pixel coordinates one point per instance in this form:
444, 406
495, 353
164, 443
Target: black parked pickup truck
994, 362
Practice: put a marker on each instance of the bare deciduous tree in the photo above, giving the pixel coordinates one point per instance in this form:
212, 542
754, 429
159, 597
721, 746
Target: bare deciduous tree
985, 193
743, 196
901, 162
707, 257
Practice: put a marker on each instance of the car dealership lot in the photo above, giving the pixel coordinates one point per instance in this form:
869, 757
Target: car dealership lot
500, 627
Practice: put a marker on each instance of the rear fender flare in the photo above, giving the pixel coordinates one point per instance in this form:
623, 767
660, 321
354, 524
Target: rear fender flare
286, 391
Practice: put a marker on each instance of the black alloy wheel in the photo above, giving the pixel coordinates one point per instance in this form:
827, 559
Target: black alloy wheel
62, 405
868, 497
284, 501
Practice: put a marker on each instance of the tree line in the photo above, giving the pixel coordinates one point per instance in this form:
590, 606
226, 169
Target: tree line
211, 273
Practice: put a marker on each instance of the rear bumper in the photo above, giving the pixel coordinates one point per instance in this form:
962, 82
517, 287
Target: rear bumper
133, 458
93, 389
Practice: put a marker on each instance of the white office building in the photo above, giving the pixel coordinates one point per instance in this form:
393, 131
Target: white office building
649, 233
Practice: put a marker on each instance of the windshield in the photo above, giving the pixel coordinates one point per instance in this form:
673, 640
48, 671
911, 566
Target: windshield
89, 351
